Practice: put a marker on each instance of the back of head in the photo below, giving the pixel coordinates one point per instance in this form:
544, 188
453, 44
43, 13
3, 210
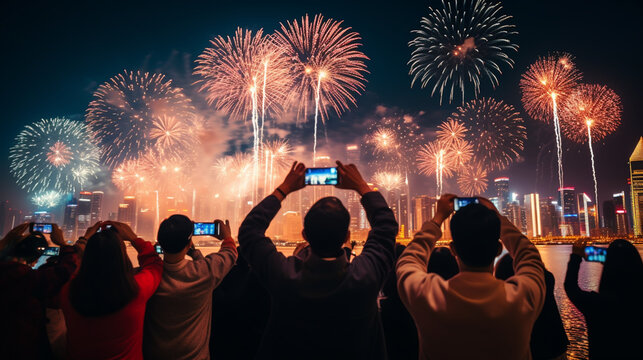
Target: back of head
105, 281
476, 232
326, 227
174, 233
443, 263
504, 267
622, 275
30, 248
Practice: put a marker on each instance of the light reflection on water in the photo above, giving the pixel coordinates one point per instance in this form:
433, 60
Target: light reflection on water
555, 258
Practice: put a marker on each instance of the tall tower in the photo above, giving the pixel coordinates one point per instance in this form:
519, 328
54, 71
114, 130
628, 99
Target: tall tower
352, 198
621, 225
532, 213
502, 192
83, 211
127, 211
587, 217
636, 184
96, 206
70, 225
569, 210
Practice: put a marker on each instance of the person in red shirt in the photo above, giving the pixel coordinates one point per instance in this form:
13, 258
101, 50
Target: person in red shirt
104, 303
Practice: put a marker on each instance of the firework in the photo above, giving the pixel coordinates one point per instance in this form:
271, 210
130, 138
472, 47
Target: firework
460, 44
326, 65
57, 155
388, 180
472, 180
394, 141
496, 132
548, 82
47, 199
276, 159
590, 113
436, 158
136, 112
234, 170
451, 131
128, 177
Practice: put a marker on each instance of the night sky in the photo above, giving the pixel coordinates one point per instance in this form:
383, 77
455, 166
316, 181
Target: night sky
55, 56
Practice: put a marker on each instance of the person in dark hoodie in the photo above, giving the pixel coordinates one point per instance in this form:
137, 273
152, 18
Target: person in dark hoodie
548, 337
322, 306
613, 314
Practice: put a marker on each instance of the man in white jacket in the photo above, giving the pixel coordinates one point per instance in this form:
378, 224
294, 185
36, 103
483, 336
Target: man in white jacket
473, 315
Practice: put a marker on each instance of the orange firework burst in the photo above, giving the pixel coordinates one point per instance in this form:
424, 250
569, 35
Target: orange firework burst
591, 105
436, 157
384, 140
241, 72
388, 180
462, 152
59, 154
451, 131
128, 178
327, 66
496, 132
552, 77
473, 180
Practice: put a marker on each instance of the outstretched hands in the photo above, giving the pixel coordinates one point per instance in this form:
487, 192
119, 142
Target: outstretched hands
351, 179
294, 180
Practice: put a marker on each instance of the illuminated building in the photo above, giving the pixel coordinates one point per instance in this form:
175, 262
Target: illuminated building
70, 226
532, 214
423, 210
587, 216
292, 226
621, 225
96, 206
636, 187
516, 215
127, 211
548, 216
84, 211
502, 192
352, 197
494, 201
569, 210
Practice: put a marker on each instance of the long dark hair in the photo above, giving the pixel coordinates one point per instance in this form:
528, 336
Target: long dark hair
622, 276
105, 281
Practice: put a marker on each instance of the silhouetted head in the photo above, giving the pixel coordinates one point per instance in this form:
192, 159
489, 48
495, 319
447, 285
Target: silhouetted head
443, 263
476, 232
326, 227
105, 281
622, 272
175, 233
504, 267
30, 248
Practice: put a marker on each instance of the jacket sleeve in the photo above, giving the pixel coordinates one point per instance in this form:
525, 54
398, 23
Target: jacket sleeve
378, 255
50, 279
149, 277
262, 255
413, 279
220, 263
529, 270
580, 298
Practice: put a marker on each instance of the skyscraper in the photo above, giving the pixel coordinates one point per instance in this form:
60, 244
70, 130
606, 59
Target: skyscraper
96, 206
423, 210
569, 210
502, 192
127, 211
70, 226
636, 186
352, 198
587, 217
548, 217
83, 211
622, 225
532, 214
404, 215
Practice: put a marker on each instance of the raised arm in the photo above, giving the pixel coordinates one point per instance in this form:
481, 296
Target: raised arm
580, 298
256, 247
220, 263
412, 264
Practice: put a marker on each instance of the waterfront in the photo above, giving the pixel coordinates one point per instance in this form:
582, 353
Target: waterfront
555, 258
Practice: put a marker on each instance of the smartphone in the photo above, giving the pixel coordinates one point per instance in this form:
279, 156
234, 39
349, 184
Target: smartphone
460, 202
106, 227
51, 251
321, 176
44, 228
595, 254
158, 248
206, 228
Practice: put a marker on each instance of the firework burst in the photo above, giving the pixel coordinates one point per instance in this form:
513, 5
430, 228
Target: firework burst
135, 112
451, 131
472, 180
436, 158
394, 141
128, 177
460, 44
496, 132
388, 180
54, 155
47, 199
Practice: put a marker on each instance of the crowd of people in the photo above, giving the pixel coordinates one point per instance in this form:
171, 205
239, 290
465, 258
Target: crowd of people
324, 301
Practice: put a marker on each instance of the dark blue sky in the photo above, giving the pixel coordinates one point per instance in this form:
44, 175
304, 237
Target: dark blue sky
55, 55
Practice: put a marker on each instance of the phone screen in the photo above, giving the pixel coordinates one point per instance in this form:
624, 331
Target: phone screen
460, 202
321, 176
47, 253
595, 254
158, 248
44, 228
205, 228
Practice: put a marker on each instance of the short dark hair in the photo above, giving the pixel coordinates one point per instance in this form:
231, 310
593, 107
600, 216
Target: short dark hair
174, 233
475, 230
30, 248
326, 226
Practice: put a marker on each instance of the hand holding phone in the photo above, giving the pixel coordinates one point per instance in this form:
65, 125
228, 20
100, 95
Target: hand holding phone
595, 254
321, 176
206, 228
460, 202
45, 228
351, 179
294, 180
158, 249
